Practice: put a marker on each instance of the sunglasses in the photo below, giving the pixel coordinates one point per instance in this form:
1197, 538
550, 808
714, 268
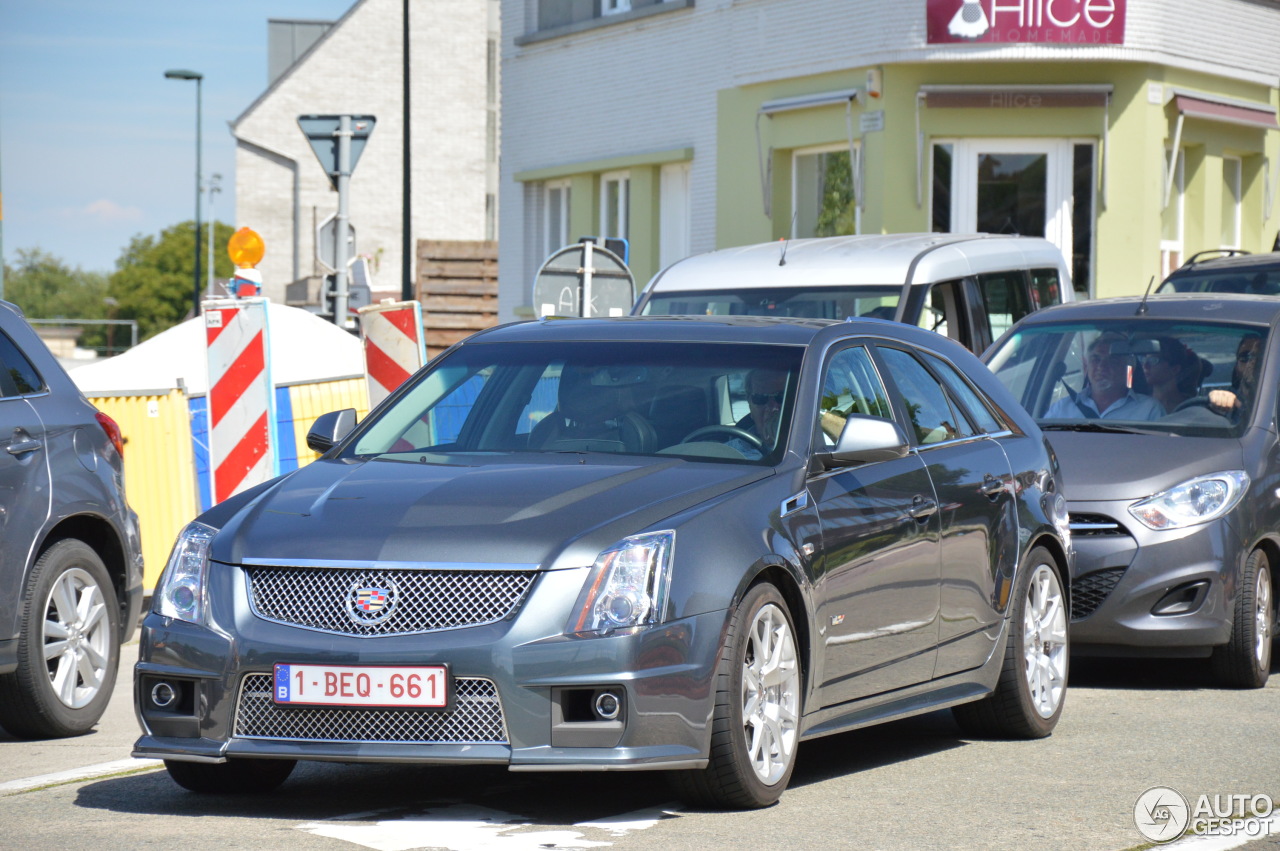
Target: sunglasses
762, 399
1152, 360
1246, 357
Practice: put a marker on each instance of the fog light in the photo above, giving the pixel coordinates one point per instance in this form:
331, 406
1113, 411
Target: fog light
1182, 600
607, 705
163, 695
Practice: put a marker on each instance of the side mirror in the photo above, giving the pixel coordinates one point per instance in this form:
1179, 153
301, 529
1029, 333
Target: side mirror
864, 440
330, 428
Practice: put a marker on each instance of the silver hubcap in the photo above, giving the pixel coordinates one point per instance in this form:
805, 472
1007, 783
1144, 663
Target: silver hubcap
1045, 641
770, 694
1262, 619
77, 636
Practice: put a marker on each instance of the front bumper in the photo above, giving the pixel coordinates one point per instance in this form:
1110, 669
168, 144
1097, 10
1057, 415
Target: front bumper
1142, 592
524, 696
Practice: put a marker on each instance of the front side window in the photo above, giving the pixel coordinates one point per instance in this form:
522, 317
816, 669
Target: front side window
851, 385
721, 402
1004, 299
1179, 377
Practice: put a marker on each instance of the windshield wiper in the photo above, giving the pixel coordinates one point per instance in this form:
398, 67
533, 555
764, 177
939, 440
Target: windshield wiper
1095, 426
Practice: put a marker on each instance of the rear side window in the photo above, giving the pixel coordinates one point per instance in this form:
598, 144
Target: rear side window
1046, 288
17, 376
932, 416
1004, 297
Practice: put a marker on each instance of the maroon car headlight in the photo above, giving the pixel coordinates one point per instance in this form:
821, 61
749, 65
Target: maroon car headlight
628, 584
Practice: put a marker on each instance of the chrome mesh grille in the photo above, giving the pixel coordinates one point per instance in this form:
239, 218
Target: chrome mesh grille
420, 600
1090, 591
476, 718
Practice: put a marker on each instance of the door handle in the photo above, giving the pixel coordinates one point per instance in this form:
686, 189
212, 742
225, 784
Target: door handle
921, 508
991, 487
23, 446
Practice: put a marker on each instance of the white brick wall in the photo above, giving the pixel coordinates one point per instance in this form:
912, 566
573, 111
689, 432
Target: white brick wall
651, 84
356, 70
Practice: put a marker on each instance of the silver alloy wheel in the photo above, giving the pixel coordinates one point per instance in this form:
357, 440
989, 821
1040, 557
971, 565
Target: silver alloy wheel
76, 638
770, 694
1262, 619
1045, 641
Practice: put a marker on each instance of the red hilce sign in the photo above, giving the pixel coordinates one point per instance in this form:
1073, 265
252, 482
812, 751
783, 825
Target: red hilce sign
1082, 22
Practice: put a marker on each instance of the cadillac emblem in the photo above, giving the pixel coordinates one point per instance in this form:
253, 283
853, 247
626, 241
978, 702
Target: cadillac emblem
369, 602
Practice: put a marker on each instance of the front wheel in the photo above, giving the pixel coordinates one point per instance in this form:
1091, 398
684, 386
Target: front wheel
68, 647
756, 724
1245, 660
233, 777
1029, 695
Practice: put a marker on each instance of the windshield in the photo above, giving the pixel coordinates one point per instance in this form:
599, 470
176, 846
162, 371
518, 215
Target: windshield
1190, 378
839, 302
722, 402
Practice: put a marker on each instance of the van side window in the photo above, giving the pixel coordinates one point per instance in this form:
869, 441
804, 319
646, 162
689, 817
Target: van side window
1046, 288
1004, 297
944, 312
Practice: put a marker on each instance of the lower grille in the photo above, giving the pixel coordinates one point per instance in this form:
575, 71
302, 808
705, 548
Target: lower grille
1089, 591
476, 718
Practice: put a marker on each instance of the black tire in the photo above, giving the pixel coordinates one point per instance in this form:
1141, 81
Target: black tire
1245, 660
67, 694
233, 777
732, 778
1028, 698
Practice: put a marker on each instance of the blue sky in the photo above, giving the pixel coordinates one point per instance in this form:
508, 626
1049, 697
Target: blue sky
96, 146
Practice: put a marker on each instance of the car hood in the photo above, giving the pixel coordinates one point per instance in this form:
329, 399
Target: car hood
1098, 467
497, 511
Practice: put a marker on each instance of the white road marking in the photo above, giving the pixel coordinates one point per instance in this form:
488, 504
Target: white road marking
466, 827
1226, 843
87, 772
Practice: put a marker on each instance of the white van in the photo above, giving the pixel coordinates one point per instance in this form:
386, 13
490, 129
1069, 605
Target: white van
970, 287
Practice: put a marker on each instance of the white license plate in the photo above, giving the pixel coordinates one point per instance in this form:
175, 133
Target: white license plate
422, 686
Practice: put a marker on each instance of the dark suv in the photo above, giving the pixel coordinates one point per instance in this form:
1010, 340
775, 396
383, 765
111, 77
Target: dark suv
70, 562
1226, 270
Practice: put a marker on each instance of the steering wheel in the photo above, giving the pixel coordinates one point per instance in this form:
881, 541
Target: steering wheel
1194, 402
732, 431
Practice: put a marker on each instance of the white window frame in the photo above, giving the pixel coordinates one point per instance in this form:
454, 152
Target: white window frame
855, 158
1171, 250
555, 227
1232, 200
674, 219
614, 7
620, 212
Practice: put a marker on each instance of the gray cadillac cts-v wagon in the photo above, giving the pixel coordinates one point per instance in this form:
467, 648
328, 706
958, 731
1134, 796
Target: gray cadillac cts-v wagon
679, 543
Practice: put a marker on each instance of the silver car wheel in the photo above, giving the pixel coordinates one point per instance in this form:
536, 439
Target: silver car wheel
1045, 641
1262, 617
770, 694
76, 638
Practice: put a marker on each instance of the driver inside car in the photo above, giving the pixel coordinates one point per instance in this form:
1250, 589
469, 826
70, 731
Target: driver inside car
765, 389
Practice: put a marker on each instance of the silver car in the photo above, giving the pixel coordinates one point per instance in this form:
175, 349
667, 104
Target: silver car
1164, 413
70, 562
638, 543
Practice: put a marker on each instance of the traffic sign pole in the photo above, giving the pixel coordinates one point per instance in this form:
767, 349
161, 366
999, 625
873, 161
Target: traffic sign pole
342, 248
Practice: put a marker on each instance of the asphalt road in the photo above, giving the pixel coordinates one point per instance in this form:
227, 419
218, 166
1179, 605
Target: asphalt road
913, 785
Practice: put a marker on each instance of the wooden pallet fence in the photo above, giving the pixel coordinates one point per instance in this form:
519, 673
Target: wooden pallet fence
458, 287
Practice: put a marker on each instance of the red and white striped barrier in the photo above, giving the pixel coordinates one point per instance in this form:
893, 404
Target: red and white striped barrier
394, 347
241, 402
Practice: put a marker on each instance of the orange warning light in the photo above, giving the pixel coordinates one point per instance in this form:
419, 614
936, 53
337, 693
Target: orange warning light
246, 248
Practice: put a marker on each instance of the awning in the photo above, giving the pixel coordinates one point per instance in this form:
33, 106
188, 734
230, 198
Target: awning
770, 108
1020, 98
1229, 111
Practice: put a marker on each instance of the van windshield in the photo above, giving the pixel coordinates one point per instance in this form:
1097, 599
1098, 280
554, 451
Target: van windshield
835, 302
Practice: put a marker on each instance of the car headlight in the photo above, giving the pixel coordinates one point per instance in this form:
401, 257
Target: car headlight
628, 584
1197, 500
181, 590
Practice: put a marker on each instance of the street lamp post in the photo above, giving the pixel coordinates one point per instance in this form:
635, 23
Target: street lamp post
178, 74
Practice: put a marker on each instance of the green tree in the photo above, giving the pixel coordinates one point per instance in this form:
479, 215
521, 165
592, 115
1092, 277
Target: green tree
153, 282
46, 288
839, 213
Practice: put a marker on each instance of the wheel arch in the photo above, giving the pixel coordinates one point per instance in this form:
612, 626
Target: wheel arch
1059, 553
102, 538
782, 579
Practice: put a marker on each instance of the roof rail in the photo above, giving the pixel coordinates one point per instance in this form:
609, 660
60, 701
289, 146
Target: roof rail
1224, 252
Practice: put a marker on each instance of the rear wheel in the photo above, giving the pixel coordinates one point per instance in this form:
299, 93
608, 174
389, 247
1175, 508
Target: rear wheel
1245, 660
755, 728
68, 647
233, 777
1029, 695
